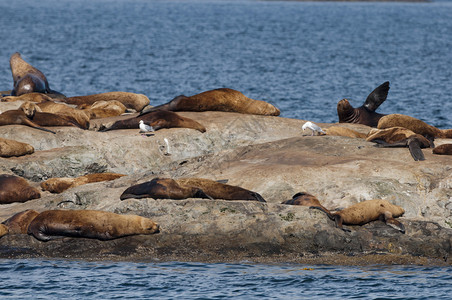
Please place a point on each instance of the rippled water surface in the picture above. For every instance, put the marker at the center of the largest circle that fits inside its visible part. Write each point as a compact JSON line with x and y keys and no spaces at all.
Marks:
{"x":60,"y":279}
{"x":301,"y":56}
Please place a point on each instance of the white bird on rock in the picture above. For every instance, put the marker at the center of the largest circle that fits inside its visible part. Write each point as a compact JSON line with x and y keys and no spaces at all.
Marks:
{"x":145,"y":128}
{"x":315,"y":128}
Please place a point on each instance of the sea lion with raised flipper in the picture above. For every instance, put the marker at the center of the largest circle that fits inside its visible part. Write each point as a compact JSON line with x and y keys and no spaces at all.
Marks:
{"x":18,"y":117}
{"x":27,"y":79}
{"x":18,"y":223}
{"x":166,"y":188}
{"x":365,"y":212}
{"x":342,"y":131}
{"x":444,"y":149}
{"x":156,"y":119}
{"x":16,"y":189}
{"x":94,"y":224}
{"x":59,"y":185}
{"x":130,"y":100}
{"x":401,"y":137}
{"x":364,"y":114}
{"x":3,"y":230}
{"x":413,"y":124}
{"x":10,"y":148}
{"x":223,"y":99}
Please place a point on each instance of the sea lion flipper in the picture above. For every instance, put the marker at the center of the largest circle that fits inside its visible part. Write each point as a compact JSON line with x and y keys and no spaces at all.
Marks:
{"x":395,"y":224}
{"x":415,"y":150}
{"x":377,"y":97}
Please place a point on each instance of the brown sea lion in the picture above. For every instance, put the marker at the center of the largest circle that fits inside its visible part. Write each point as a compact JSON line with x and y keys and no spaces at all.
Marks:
{"x":103,"y":109}
{"x":27,"y":79}
{"x":81,"y":117}
{"x":342,"y":131}
{"x":34,"y":112}
{"x":157,"y":119}
{"x":365,"y":212}
{"x":18,"y":117}
{"x":364,"y":114}
{"x":445,"y":149}
{"x":95,"y":224}
{"x":59,"y":185}
{"x":10,"y":148}
{"x":166,"y":188}
{"x":3,"y":230}
{"x":304,"y":199}
{"x":224,"y":99}
{"x":32,"y":97}
{"x":401,"y":137}
{"x":130,"y":100}
{"x":18,"y":223}
{"x":413,"y":124}
{"x":16,"y":189}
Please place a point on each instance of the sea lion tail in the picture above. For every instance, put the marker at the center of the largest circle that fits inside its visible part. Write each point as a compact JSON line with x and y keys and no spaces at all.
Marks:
{"x":258,"y":197}
{"x":324,"y":210}
{"x":395,"y":224}
{"x":45,"y":129}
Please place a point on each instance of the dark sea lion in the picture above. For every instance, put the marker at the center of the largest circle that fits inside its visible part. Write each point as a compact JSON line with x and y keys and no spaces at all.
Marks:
{"x":18,"y":117}
{"x":305,"y":199}
{"x":59,"y":185}
{"x":101,"y":225}
{"x":413,"y":124}
{"x":445,"y":149}
{"x":18,"y":223}
{"x":401,"y":137}
{"x":10,"y":148}
{"x":365,"y":212}
{"x":130,"y":100}
{"x":27,"y":79}
{"x":157,"y":119}
{"x":364,"y":114}
{"x":3,"y":230}
{"x":223,"y":99}
{"x":166,"y":188}
{"x":16,"y":189}
{"x":342,"y":131}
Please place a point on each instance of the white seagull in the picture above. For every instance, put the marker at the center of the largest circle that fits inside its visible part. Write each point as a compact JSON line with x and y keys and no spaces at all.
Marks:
{"x":145,"y":128}
{"x":315,"y":128}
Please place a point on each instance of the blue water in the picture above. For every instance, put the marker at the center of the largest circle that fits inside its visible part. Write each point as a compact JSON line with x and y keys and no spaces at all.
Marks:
{"x":301,"y":56}
{"x":43,"y":279}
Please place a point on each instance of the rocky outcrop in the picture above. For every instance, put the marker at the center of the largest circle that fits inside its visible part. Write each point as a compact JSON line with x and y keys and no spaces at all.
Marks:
{"x":268,"y":155}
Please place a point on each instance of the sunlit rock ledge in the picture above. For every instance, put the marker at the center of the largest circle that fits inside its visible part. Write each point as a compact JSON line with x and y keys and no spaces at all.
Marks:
{"x":269,"y":155}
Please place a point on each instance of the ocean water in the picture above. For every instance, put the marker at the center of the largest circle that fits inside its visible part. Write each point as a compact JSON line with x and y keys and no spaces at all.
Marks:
{"x":61,"y":279}
{"x":301,"y":56}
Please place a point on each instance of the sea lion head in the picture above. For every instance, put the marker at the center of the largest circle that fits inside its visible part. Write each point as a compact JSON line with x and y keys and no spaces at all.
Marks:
{"x":149,"y":227}
{"x":344,"y":110}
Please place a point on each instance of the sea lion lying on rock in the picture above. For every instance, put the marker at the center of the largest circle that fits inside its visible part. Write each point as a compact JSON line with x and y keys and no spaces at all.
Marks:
{"x":166,"y":188}
{"x":365,"y":212}
{"x":445,"y":149}
{"x":81,"y":117}
{"x":223,"y":99}
{"x":18,"y":223}
{"x":413,"y":124}
{"x":130,"y":100}
{"x":342,"y":131}
{"x":10,"y":148}
{"x":103,"y":109}
{"x":401,"y":137}
{"x":18,"y":117}
{"x":304,"y":199}
{"x":101,"y":225}
{"x":34,"y":113}
{"x":157,"y":119}
{"x":364,"y":114}
{"x":59,"y":185}
{"x":16,"y":189}
{"x":31,"y":97}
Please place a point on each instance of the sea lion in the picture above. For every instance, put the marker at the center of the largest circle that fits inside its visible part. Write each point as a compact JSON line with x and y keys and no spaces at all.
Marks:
{"x":413,"y":124}
{"x":401,"y":137}
{"x":365,"y":212}
{"x":27,"y":79}
{"x":103,"y":109}
{"x":223,"y":99}
{"x":166,"y":188}
{"x":34,"y":112}
{"x":156,"y":119}
{"x":32,"y":97}
{"x":18,"y":117}
{"x":364,"y":114}
{"x":95,"y":224}
{"x":304,"y":199}
{"x":342,"y":131}
{"x":130,"y":100}
{"x":81,"y":117}
{"x":59,"y":185}
{"x":10,"y":148}
{"x":16,"y":189}
{"x":3,"y":230}
{"x":445,"y":149}
{"x":18,"y":223}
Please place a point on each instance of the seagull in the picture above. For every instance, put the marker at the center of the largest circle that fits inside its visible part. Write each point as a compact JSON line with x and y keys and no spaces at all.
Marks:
{"x":315,"y":128}
{"x":145,"y":128}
